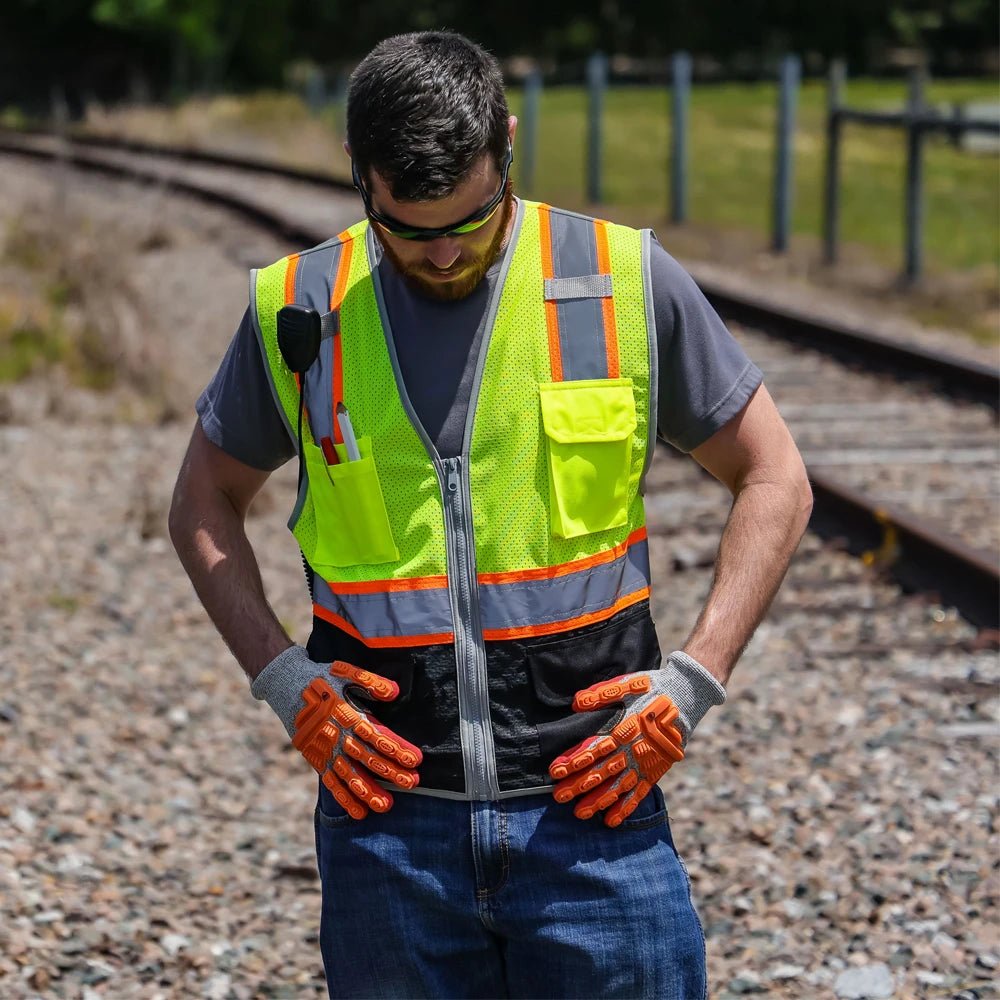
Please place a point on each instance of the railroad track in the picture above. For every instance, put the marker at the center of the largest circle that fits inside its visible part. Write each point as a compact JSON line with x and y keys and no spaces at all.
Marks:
{"x":834,"y":811}
{"x":900,"y":442}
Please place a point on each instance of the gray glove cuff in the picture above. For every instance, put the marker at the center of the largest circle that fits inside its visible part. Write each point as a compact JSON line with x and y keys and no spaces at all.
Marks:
{"x":691,"y":688}
{"x":282,"y":681}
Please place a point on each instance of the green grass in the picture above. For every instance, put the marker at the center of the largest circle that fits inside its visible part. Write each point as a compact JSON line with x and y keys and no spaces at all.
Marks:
{"x":731,"y":162}
{"x":26,"y":349}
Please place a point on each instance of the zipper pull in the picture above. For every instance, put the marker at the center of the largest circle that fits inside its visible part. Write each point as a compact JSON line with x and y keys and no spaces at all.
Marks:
{"x":453,"y":477}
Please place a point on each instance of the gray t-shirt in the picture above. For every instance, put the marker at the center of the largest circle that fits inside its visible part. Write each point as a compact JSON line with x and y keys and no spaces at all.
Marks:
{"x":705,"y":378}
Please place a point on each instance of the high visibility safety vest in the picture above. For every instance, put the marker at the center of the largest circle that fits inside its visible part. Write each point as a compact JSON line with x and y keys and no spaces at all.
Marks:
{"x":494,"y":585}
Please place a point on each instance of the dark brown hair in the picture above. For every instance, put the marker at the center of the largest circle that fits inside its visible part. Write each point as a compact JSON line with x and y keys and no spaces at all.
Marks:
{"x":422,"y":109}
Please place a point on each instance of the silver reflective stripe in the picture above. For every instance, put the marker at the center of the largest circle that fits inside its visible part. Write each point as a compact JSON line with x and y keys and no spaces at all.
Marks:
{"x":329,"y":324}
{"x":562,"y":598}
{"x":314,"y":280}
{"x":584,"y":286}
{"x":581,"y":320}
{"x":390,"y":613}
{"x":414,"y":613}
{"x":654,"y":357}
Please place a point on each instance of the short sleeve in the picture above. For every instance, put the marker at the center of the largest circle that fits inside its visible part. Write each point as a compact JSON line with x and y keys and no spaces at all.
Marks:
{"x":237,"y":409}
{"x":705,"y":377}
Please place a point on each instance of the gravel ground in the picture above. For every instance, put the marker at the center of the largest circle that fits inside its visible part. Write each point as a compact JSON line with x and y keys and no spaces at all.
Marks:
{"x":839,"y":816}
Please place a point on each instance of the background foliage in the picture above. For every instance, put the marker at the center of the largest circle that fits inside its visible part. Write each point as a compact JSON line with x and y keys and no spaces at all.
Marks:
{"x":161,"y":48}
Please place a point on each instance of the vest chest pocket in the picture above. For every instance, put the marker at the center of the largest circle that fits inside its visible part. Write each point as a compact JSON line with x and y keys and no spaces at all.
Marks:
{"x":588,"y":428}
{"x":352,"y":526}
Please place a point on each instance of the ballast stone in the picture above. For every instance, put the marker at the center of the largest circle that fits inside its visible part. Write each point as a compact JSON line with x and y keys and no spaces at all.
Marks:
{"x":869,"y":982}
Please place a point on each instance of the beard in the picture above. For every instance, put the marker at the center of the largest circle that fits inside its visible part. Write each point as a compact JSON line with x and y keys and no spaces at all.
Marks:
{"x":470,"y":273}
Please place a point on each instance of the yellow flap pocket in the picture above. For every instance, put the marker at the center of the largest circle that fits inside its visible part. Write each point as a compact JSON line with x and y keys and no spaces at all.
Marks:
{"x":589,"y":426}
{"x":352,"y":525}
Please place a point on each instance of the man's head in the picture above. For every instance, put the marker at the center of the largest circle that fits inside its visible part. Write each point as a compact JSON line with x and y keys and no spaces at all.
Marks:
{"x":430,"y":135}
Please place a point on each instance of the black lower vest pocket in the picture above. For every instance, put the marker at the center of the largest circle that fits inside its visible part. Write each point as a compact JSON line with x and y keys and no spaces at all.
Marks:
{"x":426,"y":710}
{"x":560,"y":667}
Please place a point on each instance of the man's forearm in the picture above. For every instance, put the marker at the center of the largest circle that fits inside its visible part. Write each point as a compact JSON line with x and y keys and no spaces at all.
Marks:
{"x":213,"y":547}
{"x":763,"y":530}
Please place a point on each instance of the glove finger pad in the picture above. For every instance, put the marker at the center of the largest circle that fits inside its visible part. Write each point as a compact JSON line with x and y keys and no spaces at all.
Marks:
{"x":375,"y":684}
{"x":350,"y":804}
{"x":608,"y":692}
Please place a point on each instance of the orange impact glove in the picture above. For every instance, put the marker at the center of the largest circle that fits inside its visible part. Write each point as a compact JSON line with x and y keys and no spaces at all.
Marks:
{"x":310,"y":699}
{"x":617,"y":769}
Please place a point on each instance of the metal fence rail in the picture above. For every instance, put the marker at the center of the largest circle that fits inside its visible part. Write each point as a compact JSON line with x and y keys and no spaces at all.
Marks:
{"x":918,"y":121}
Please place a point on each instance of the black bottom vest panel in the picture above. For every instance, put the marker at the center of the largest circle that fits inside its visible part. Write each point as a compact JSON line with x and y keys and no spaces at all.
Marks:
{"x":531,"y":687}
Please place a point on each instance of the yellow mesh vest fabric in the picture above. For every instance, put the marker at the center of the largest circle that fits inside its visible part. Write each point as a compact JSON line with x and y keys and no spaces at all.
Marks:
{"x":510,"y":488}
{"x":409,"y":483}
{"x":509,"y":474}
{"x":270,"y":297}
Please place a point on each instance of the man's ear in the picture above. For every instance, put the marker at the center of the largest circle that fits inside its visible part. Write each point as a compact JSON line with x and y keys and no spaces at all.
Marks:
{"x":511,"y":128}
{"x":347,"y":146}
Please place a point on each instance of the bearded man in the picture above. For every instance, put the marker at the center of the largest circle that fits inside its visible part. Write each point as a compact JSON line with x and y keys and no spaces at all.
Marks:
{"x":474,"y":412}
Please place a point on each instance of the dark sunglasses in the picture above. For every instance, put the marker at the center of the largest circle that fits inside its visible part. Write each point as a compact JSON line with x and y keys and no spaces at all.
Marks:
{"x":467,"y":225}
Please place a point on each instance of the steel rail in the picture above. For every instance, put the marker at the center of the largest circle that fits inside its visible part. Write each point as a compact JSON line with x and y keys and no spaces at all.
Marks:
{"x":959,"y":377}
{"x":954,"y":375}
{"x":917,"y":555}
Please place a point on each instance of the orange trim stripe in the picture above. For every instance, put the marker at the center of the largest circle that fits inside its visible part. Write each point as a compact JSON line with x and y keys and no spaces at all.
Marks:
{"x":607,"y":303}
{"x":388,"y":586}
{"x":336,"y":298}
{"x":550,"y":628}
{"x":386,"y":641}
{"x":555,"y":353}
{"x":551,"y":308}
{"x":563,"y":569}
{"x":486,"y":579}
{"x":490,"y":635}
{"x":343,"y":271}
{"x":545,"y":229}
{"x":293,"y":266}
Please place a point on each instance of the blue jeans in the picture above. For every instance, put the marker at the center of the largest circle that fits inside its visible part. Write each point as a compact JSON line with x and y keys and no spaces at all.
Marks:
{"x":517,"y":898}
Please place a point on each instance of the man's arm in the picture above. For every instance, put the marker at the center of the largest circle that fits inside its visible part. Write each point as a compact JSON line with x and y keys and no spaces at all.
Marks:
{"x":754,"y":455}
{"x":207,"y":517}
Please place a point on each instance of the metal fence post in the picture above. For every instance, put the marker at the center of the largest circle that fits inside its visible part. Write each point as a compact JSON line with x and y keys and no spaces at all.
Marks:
{"x":315,"y":90}
{"x":785,"y":152}
{"x":831,"y":193}
{"x":597,"y":79}
{"x":338,"y":98}
{"x":529,"y":130}
{"x":680,"y":98}
{"x":914,"y":210}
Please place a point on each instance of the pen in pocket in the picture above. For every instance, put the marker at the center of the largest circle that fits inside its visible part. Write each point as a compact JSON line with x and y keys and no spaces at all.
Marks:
{"x":347,"y":431}
{"x":329,"y":452}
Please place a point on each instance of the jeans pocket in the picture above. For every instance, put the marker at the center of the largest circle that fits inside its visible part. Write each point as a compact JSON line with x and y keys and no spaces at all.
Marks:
{"x":651,"y":811}
{"x":329,"y":812}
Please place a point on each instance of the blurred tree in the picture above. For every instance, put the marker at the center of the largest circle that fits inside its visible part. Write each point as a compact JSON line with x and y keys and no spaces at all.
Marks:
{"x":114,"y":48}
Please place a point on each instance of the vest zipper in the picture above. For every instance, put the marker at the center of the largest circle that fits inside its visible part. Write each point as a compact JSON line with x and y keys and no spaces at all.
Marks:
{"x":470,"y":649}
{"x":463,"y":588}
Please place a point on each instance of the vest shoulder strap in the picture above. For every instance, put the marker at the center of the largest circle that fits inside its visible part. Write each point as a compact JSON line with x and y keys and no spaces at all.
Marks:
{"x":316,"y":277}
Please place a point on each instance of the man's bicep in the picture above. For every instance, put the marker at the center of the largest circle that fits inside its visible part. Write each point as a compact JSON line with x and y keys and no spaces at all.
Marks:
{"x":704,"y":378}
{"x":754,"y":445}
{"x":209,"y":471}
